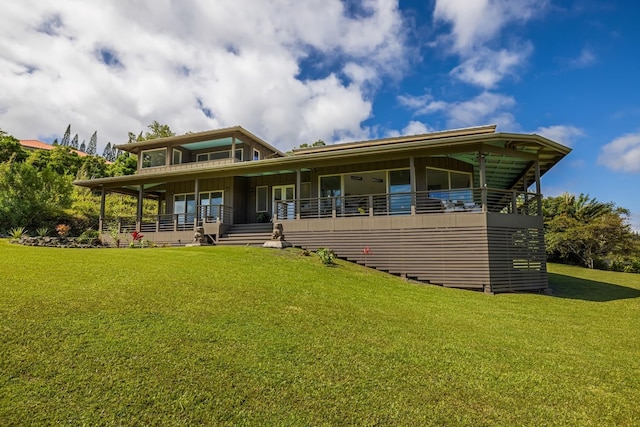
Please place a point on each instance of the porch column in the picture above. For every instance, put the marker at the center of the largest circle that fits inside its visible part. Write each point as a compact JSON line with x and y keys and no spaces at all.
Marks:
{"x":538,"y":188}
{"x":139,"y":210}
{"x":233,"y":148}
{"x":412,"y":181}
{"x":196,"y":190}
{"x":483,"y":182}
{"x":298,"y":192}
{"x":103,"y":197}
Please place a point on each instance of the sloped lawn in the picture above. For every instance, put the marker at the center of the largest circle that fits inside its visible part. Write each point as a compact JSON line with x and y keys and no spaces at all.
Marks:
{"x":249,"y":336}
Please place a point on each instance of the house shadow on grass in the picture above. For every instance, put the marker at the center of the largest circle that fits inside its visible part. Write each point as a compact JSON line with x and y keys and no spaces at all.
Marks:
{"x":588,"y":290}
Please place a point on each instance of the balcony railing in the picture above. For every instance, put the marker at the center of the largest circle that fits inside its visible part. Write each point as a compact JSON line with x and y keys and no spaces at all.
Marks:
{"x":407,"y":203}
{"x":204,"y":214}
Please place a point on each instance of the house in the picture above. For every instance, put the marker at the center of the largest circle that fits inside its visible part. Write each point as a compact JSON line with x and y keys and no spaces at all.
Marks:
{"x":34,"y":144}
{"x":458,"y":208}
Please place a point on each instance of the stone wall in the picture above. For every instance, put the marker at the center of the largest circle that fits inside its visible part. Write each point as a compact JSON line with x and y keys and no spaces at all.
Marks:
{"x":59,"y":242}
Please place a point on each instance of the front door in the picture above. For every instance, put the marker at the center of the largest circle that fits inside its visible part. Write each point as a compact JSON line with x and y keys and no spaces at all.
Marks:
{"x":283,"y":205}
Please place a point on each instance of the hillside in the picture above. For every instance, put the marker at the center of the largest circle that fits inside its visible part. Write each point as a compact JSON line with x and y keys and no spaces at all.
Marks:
{"x":213,"y":335}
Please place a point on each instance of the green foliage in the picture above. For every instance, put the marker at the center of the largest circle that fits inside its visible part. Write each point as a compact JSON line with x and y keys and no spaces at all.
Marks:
{"x":60,"y":160}
{"x":89,"y":236}
{"x":17,"y":232}
{"x":42,"y":231}
{"x":93,"y":144}
{"x":66,"y":139}
{"x":124,"y":164}
{"x":581,"y":230}
{"x":327,"y":256}
{"x":31,"y":197}
{"x":10,"y":149}
{"x":93,"y":167}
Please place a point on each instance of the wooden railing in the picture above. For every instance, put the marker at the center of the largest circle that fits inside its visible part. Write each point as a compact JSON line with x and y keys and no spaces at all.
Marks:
{"x":171,"y":222}
{"x":407,"y":203}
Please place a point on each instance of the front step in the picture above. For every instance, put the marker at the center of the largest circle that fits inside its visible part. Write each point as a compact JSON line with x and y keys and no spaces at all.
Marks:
{"x":246,"y":235}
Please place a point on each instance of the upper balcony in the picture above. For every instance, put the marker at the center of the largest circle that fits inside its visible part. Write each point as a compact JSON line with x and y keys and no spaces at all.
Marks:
{"x":199,"y":150}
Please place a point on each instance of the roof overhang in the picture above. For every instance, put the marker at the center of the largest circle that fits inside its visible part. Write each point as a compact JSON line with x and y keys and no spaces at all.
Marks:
{"x":198,"y":140}
{"x":510,"y":159}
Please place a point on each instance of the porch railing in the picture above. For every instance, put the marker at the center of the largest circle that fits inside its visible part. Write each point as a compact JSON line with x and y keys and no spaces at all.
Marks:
{"x":204,"y":214}
{"x":407,"y":203}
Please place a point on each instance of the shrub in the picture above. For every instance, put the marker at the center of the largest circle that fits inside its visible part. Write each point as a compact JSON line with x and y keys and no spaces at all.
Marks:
{"x":326,"y":256}
{"x":42,"y":231}
{"x":89,"y":236}
{"x":63,"y":229}
{"x":17,"y":232}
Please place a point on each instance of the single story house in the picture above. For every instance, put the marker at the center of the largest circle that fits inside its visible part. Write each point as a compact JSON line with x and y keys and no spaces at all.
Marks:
{"x":458,"y":208}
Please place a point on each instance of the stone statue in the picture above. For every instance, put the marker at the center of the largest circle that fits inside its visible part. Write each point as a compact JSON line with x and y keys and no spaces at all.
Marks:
{"x":277,"y":232}
{"x":198,"y":236}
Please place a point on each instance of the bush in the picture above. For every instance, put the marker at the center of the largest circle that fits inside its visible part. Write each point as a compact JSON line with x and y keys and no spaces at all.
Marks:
{"x":89,"y":236}
{"x":326,"y":256}
{"x":17,"y":232}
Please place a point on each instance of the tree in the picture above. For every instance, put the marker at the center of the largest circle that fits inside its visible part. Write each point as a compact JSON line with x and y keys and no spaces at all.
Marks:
{"x":83,"y":147}
{"x":67,"y":136}
{"x":30,"y":197}
{"x":10,"y":148}
{"x":124,"y":164}
{"x":74,"y":142}
{"x":107,"y":151}
{"x":61,"y":160}
{"x":93,"y":144}
{"x":582,"y":230}
{"x":92,"y":167}
{"x":157,"y":131}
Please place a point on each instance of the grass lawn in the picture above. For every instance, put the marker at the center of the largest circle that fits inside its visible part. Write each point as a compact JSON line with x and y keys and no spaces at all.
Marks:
{"x":249,"y":336}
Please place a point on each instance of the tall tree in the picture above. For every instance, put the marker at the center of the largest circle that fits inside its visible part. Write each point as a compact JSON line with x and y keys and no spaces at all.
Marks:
{"x":74,"y":142}
{"x":93,"y":144}
{"x":66,"y":139}
{"x":55,"y":142}
{"x":157,"y":130}
{"x":83,"y":147}
{"x":107,"y":151}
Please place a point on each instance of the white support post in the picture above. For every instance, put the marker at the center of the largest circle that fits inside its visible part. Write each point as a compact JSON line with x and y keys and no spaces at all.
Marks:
{"x":412,"y":181}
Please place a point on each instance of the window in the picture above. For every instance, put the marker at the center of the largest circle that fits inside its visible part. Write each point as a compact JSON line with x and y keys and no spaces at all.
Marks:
{"x":400,"y":191}
{"x":154,"y":158}
{"x":184,"y":205}
{"x":256,"y":154}
{"x":177,"y":156}
{"x":210,"y":202}
{"x":447,"y":184}
{"x":262,"y":197}
{"x":218,"y":155}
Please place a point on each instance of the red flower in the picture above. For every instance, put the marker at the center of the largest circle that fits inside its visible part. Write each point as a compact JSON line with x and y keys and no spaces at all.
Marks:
{"x":136,"y":236}
{"x":366,"y":251}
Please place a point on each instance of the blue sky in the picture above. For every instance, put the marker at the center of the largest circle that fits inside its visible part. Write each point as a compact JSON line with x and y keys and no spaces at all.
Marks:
{"x":294,"y":72}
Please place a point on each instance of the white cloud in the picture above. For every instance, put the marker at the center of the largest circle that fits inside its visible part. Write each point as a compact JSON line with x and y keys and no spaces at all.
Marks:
{"x":117,"y":66}
{"x":486,"y":68}
{"x":622,"y":154}
{"x":476,"y":27}
{"x":564,"y":134}
{"x":585,"y":59}
{"x":485,"y":108}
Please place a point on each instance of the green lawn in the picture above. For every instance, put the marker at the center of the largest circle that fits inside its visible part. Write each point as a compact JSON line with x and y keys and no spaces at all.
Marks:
{"x":250,"y":336}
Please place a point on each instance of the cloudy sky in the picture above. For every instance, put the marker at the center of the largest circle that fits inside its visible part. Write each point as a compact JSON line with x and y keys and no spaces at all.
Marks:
{"x":295,"y":71}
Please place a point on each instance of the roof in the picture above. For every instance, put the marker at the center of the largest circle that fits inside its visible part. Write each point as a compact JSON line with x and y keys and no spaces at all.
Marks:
{"x":195,"y":137}
{"x":34,"y":144}
{"x":510,"y":157}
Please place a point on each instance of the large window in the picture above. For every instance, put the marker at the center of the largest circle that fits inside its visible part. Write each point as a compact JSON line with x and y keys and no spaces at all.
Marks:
{"x":449,"y":185}
{"x":400,"y":191}
{"x":210,"y":200}
{"x":184,"y":205}
{"x":153,"y":158}
{"x":219,"y":155}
